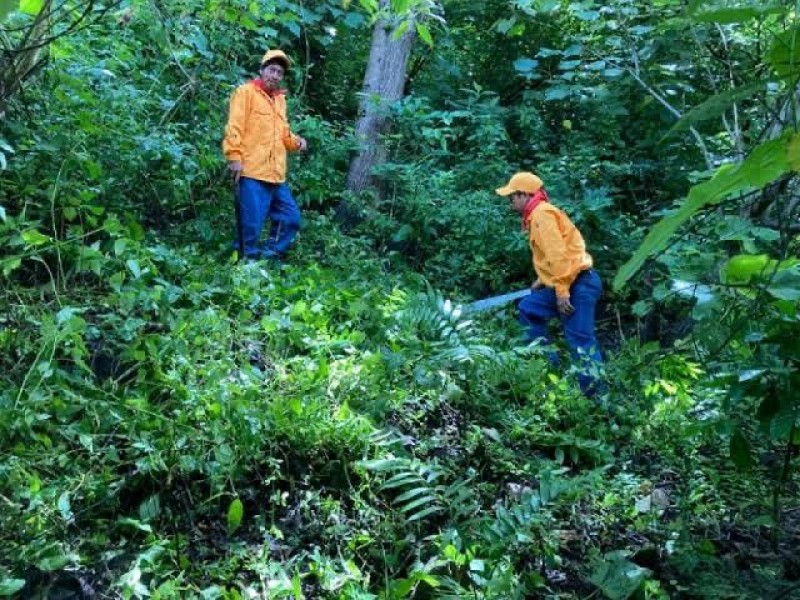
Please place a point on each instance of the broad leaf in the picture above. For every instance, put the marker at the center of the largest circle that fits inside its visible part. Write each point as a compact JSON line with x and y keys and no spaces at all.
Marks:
{"x":617,"y":577}
{"x":425,"y":34}
{"x":235,"y":514}
{"x":525,"y":65}
{"x":786,"y":284}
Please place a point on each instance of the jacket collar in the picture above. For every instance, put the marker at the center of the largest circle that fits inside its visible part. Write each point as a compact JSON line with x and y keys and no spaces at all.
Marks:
{"x":533,"y":202}
{"x":259,"y":84}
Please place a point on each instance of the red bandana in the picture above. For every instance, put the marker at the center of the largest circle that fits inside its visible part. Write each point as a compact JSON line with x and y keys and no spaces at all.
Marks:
{"x":534,"y":201}
{"x":271,"y":93}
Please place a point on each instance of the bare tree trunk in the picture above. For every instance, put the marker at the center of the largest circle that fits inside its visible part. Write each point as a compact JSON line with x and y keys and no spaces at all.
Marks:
{"x":383,"y":85}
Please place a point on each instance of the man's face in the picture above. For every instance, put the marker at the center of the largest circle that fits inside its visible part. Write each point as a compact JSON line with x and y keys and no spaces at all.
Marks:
{"x":272,"y":75}
{"x":517,"y":201}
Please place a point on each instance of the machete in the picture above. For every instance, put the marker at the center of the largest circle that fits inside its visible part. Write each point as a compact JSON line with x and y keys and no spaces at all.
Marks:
{"x":494,"y":301}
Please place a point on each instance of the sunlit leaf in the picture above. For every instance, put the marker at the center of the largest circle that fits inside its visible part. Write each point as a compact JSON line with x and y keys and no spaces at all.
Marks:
{"x":32,"y":237}
{"x":425,"y":34}
{"x":31,"y":7}
{"x":235,"y":514}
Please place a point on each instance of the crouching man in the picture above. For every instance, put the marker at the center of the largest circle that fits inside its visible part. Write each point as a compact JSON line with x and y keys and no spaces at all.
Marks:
{"x":566,"y":285}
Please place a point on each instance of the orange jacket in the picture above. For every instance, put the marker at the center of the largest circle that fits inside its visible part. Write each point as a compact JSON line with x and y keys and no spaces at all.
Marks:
{"x":258,"y":134}
{"x":559,"y":252}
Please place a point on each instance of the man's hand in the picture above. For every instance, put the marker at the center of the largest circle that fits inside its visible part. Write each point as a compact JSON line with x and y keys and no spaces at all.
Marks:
{"x":235,"y":167}
{"x":302,"y":143}
{"x":565,"y":307}
{"x":537,"y":285}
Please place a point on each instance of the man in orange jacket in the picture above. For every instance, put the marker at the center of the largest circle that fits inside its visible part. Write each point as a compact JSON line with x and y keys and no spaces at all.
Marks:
{"x":566,"y":286}
{"x":257,"y":139}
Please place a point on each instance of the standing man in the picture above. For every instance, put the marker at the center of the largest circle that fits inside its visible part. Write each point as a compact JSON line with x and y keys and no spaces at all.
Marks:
{"x":566,"y":286}
{"x":257,"y":138}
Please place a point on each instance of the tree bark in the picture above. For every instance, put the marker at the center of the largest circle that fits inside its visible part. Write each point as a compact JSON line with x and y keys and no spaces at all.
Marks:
{"x":383,"y":85}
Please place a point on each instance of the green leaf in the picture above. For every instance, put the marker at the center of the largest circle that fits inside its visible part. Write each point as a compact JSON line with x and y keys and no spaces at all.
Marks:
{"x":784,"y":56}
{"x":421,"y":515}
{"x":715,"y":106}
{"x":10,"y":264}
{"x":150,"y":509}
{"x":400,"y":6}
{"x":425,"y":34}
{"x":400,"y":30}
{"x":766,"y":163}
{"x":382,"y":464}
{"x":740,"y":452}
{"x":32,"y":237}
{"x":235,"y":514}
{"x":53,"y":561}
{"x":9,"y":587}
{"x":557,"y":93}
{"x":743,"y":268}
{"x":134,"y":267}
{"x":617,"y":577}
{"x":6,"y":6}
{"x":419,"y":502}
{"x":64,"y":507}
{"x":411,"y":494}
{"x":737,"y":14}
{"x":31,"y":7}
{"x":786,"y":284}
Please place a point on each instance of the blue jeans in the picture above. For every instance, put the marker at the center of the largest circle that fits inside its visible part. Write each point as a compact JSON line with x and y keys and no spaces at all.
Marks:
{"x":538,"y":308}
{"x":259,"y":200}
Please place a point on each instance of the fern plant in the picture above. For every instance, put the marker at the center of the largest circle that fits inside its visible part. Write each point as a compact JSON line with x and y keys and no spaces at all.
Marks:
{"x":437,"y":327}
{"x":416,"y":488}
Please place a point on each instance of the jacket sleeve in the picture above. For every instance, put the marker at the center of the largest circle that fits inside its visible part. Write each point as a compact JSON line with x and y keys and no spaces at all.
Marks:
{"x":554,"y":249}
{"x":234,"y":130}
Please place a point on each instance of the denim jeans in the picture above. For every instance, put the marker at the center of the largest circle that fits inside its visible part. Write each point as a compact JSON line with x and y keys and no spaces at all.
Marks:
{"x":540,"y":306}
{"x":260,"y":200}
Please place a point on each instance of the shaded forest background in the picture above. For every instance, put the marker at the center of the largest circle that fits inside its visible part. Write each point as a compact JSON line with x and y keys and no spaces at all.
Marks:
{"x":174,"y":424}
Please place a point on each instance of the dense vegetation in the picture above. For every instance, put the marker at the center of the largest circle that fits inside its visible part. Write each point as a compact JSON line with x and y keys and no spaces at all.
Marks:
{"x":174,"y":424}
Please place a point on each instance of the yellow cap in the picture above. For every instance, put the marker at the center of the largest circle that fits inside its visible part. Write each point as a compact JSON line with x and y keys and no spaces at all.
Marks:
{"x":521,"y":182}
{"x":277,"y":55}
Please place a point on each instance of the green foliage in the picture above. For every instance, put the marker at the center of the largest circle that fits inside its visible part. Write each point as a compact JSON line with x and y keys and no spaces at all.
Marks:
{"x":174,"y":425}
{"x":766,"y":163}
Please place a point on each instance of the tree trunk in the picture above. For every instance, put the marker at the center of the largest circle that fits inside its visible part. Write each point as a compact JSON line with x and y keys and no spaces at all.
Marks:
{"x":383,"y":85}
